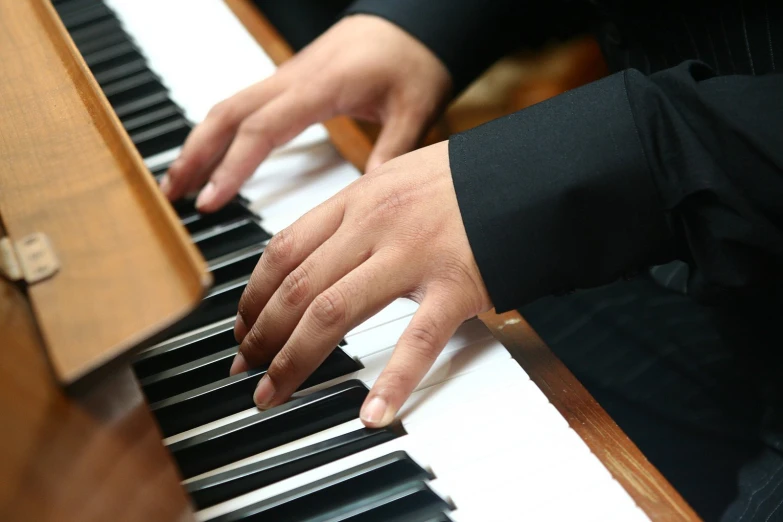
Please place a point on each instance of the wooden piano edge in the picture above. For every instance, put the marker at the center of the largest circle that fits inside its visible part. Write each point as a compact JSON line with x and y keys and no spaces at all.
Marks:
{"x":627,"y":464}
{"x":649,"y":489}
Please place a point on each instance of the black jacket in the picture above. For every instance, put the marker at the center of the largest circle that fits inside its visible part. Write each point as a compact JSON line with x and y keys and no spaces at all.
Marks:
{"x":677,"y":155}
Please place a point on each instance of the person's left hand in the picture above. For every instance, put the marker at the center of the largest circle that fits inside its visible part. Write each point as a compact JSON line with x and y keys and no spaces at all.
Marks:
{"x":395,"y":232}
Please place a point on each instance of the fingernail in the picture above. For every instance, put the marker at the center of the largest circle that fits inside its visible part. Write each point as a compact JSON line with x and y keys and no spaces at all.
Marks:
{"x":239,"y":365}
{"x":375,"y":411}
{"x":265,"y":392}
{"x":240,"y":330}
{"x":165,"y":185}
{"x":206,"y":195}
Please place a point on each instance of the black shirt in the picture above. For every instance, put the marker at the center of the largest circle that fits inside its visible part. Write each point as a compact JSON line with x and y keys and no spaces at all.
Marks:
{"x":677,"y":155}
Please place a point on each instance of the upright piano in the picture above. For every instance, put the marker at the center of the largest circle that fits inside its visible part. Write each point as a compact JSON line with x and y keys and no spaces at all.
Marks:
{"x":116,"y":315}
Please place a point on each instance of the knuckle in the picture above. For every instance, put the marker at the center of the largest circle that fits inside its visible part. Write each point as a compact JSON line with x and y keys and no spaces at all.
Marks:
{"x":284,"y":365}
{"x":251,"y":347}
{"x":330,"y":308}
{"x":279,"y":249}
{"x":243,"y":311}
{"x":296,"y":286}
{"x":258,"y":129}
{"x":221,"y":113}
{"x":389,"y":204}
{"x":394,"y":379}
{"x":422,"y":338}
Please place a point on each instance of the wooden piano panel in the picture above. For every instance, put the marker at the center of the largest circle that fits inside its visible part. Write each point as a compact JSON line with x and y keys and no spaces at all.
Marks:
{"x":67,"y":166}
{"x":97,"y":459}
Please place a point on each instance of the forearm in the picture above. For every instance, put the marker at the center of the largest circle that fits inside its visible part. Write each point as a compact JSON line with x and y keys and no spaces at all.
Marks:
{"x":467,"y":35}
{"x":623,"y":173}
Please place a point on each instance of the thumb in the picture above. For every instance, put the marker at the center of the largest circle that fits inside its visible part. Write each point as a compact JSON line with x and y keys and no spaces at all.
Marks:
{"x":398,"y":136}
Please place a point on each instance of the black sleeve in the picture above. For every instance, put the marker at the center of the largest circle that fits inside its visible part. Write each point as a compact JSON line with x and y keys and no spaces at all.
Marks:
{"x":629,"y":171}
{"x":469,"y":35}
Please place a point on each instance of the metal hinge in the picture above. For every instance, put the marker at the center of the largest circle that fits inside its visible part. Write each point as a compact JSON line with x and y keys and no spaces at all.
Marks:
{"x":31,"y":259}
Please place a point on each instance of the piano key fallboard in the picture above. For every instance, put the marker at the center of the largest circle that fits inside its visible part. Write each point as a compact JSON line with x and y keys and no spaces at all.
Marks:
{"x":476,"y":441}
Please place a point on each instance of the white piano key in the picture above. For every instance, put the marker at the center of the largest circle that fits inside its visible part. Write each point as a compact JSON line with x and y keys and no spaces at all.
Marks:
{"x":419,"y":445}
{"x":465,"y":393}
{"x":377,"y":339}
{"x":287,"y":186}
{"x":162,"y":158}
{"x":450,"y":364}
{"x":203,"y":71}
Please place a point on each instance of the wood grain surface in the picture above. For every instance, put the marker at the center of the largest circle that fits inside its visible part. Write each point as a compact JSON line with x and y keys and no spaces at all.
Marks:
{"x":94,"y":459}
{"x":69,"y":170}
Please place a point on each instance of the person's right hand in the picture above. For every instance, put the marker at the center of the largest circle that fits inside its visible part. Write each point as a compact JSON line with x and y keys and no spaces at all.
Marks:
{"x":364,"y":67}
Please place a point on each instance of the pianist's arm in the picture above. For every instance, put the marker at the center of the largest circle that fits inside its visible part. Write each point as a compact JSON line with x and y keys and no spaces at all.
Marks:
{"x":573,"y":192}
{"x":390,"y":62}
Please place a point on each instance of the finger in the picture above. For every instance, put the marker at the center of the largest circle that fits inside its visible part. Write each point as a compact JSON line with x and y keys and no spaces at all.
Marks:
{"x":208,"y":142}
{"x":428,"y":332}
{"x":353,"y":299}
{"x":398,"y":136}
{"x":286,"y":251}
{"x":330,"y":262}
{"x":269,"y":127}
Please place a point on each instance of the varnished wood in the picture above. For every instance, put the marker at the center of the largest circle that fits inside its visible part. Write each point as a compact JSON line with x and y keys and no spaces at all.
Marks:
{"x":69,"y":170}
{"x":347,"y":137}
{"x":651,"y":491}
{"x":97,"y":459}
{"x":622,"y":458}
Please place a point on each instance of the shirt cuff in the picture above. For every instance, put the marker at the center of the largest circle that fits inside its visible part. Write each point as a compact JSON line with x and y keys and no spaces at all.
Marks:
{"x":559,"y":196}
{"x":456,"y":32}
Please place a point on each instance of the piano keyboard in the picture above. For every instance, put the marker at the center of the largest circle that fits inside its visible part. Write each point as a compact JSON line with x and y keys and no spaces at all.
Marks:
{"x":476,"y":441}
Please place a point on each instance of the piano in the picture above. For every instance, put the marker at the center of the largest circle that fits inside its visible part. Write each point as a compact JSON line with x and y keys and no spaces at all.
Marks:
{"x":116,"y":332}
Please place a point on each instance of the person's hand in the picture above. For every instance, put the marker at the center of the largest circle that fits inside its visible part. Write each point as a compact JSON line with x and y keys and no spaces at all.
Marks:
{"x":364,"y":66}
{"x":395,"y":232}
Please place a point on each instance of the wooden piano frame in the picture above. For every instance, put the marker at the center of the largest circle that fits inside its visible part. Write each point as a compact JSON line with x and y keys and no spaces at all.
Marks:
{"x":78,"y":442}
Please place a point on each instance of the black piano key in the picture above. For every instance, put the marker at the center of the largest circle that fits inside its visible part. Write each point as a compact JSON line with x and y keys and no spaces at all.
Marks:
{"x":223,"y":486}
{"x":140,"y":104}
{"x":246,"y":234}
{"x":177,"y":353}
{"x":108,"y":57}
{"x":149,"y":117}
{"x":268,"y":429}
{"x":408,"y":502}
{"x":233,"y":394}
{"x":338,"y":493}
{"x":189,"y":376}
{"x":120,"y":72}
{"x":236,"y":267}
{"x":70,"y":5}
{"x":133,"y":88}
{"x":91,"y":32}
{"x":105,"y":41}
{"x":185,"y":207}
{"x":77,"y":18}
{"x":426,"y":514}
{"x":165,"y":136}
{"x":196,"y":223}
{"x":220,"y":303}
{"x":160,"y":170}
{"x":187,"y":349}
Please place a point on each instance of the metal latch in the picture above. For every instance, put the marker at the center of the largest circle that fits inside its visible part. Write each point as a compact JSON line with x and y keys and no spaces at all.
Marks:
{"x":31,"y":259}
